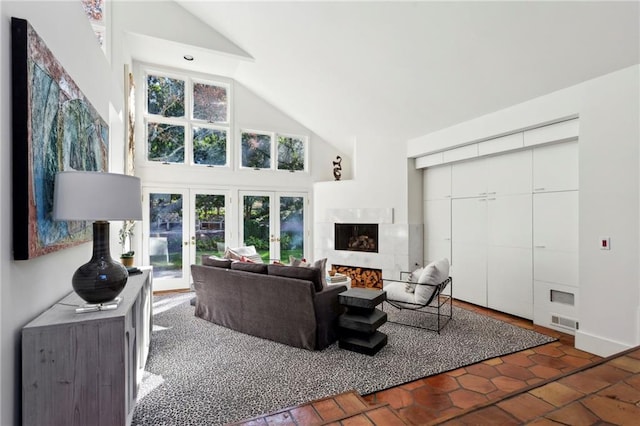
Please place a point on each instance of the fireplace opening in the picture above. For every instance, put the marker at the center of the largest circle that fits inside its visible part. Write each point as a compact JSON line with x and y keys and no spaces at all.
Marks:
{"x":356,"y":237}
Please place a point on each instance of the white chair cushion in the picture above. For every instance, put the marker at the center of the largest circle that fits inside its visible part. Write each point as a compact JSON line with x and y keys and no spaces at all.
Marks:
{"x":396,"y":292}
{"x":434,"y":273}
{"x":410,"y":286}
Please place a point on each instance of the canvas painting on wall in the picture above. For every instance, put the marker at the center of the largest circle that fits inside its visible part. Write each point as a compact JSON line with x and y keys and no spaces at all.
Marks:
{"x":55,"y":128}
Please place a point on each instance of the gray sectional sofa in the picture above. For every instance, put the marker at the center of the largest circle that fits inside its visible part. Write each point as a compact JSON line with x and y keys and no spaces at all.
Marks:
{"x":287,"y":304}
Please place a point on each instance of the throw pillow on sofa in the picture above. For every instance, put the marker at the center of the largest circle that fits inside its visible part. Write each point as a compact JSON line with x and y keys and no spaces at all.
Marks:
{"x":320,"y":263}
{"x":239,"y":252}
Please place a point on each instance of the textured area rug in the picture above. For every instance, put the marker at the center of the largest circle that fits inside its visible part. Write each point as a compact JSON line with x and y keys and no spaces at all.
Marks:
{"x":199,"y":373}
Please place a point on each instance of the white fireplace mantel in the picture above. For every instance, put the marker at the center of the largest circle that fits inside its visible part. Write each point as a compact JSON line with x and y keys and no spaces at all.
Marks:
{"x":360,"y":215}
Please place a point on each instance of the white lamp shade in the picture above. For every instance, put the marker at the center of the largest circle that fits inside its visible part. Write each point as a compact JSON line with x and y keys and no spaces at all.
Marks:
{"x":96,"y":196}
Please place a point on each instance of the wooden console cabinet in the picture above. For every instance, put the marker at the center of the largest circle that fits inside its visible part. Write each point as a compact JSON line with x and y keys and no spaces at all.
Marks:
{"x":84,"y":369}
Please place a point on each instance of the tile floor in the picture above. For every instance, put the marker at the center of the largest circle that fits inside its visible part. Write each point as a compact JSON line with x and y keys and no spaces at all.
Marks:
{"x":551,"y":384}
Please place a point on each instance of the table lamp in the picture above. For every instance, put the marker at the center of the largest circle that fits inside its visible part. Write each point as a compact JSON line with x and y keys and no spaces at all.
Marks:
{"x":99,"y":197}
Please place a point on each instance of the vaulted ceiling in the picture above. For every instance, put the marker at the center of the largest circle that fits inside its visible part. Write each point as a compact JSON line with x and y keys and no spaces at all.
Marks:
{"x":398,"y":70}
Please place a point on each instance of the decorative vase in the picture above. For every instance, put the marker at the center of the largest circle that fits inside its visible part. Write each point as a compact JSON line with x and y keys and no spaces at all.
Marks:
{"x":101,"y":279}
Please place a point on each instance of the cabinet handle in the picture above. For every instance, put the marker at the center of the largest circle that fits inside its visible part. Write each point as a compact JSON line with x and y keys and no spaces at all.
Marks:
{"x":482,"y":193}
{"x":538,"y":189}
{"x":491,"y":193}
{"x":540,"y":246}
{"x":492,"y":198}
{"x":448,"y":239}
{"x":482,"y":199}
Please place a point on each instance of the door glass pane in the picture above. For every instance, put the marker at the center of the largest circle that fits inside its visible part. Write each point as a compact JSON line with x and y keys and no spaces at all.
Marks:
{"x":165,"y":235}
{"x":255,"y":219}
{"x":209,"y":221}
{"x":291,"y":228}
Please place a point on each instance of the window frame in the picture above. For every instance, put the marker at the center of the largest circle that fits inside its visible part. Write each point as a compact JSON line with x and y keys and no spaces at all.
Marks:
{"x":271,"y":135}
{"x":305,"y":144}
{"x":274,"y":150}
{"x":187,"y":121}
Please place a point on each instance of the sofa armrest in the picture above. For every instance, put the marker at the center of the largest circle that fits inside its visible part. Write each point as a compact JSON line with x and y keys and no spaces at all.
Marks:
{"x":328,"y":309}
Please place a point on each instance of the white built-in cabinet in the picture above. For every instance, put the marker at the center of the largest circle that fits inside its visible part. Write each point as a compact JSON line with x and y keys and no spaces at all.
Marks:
{"x":437,"y":213}
{"x":491,"y":254}
{"x":555,"y":236}
{"x":507,"y":218}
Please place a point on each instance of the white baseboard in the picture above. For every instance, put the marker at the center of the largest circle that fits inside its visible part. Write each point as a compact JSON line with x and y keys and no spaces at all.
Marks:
{"x":598,"y":345}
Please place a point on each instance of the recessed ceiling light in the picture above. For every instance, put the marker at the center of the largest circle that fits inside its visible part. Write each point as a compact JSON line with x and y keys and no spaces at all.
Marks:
{"x":188,"y":58}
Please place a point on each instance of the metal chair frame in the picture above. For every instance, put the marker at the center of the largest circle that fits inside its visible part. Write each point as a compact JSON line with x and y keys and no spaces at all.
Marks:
{"x":436,"y":305}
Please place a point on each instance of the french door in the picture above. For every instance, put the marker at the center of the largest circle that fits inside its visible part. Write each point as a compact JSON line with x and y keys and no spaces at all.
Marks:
{"x":274,"y":222}
{"x":181,"y":226}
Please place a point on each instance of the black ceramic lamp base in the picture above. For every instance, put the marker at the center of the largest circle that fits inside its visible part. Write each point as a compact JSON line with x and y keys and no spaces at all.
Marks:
{"x":101,"y":279}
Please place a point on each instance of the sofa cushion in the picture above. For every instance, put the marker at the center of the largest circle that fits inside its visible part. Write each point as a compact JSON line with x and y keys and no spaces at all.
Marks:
{"x":258,"y":268}
{"x":300,"y":272}
{"x":216,"y":261}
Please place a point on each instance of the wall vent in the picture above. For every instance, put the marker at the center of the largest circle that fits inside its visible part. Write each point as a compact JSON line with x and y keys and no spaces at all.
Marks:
{"x":564,"y":322}
{"x":562,"y":297}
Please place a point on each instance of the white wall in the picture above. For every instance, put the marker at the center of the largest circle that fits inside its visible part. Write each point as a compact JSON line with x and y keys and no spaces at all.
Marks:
{"x":29,"y":287}
{"x":381,"y":179}
{"x":608,"y":108}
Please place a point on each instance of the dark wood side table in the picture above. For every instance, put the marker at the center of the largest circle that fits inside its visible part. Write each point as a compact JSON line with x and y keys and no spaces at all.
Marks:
{"x":359,"y":325}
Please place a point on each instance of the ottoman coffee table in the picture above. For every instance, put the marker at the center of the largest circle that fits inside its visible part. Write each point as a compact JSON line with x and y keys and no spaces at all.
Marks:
{"x":359,"y":325}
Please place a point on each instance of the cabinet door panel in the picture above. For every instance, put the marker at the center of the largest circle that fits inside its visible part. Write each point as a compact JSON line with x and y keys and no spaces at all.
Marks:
{"x":436,"y":251}
{"x":509,"y":173}
{"x":469,"y":179}
{"x":437,"y":182}
{"x":555,"y":221}
{"x":437,"y":230}
{"x":469,"y":272}
{"x":555,"y":266}
{"x":509,"y":281}
{"x":509,"y":221}
{"x":469,"y":221}
{"x":437,"y":220}
{"x":555,"y":167}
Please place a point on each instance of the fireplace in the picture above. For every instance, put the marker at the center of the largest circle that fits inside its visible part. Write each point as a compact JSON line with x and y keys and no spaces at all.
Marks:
{"x":356,"y":237}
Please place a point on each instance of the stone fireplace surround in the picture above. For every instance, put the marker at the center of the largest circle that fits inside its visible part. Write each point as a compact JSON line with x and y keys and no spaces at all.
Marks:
{"x":399,"y":245}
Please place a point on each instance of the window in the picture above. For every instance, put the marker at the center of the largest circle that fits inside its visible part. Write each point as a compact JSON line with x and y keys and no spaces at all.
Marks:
{"x":95,"y":12}
{"x":291,"y":153}
{"x":258,"y":149}
{"x":187,"y":121}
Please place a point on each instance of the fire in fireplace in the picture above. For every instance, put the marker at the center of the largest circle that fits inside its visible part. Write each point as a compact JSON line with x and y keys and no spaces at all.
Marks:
{"x":356,"y":237}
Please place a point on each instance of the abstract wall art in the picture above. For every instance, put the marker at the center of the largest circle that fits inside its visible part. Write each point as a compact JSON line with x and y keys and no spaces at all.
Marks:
{"x":55,"y":128}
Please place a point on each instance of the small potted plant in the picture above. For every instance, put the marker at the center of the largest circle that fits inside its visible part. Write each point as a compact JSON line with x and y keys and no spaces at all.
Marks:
{"x":127,"y":258}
